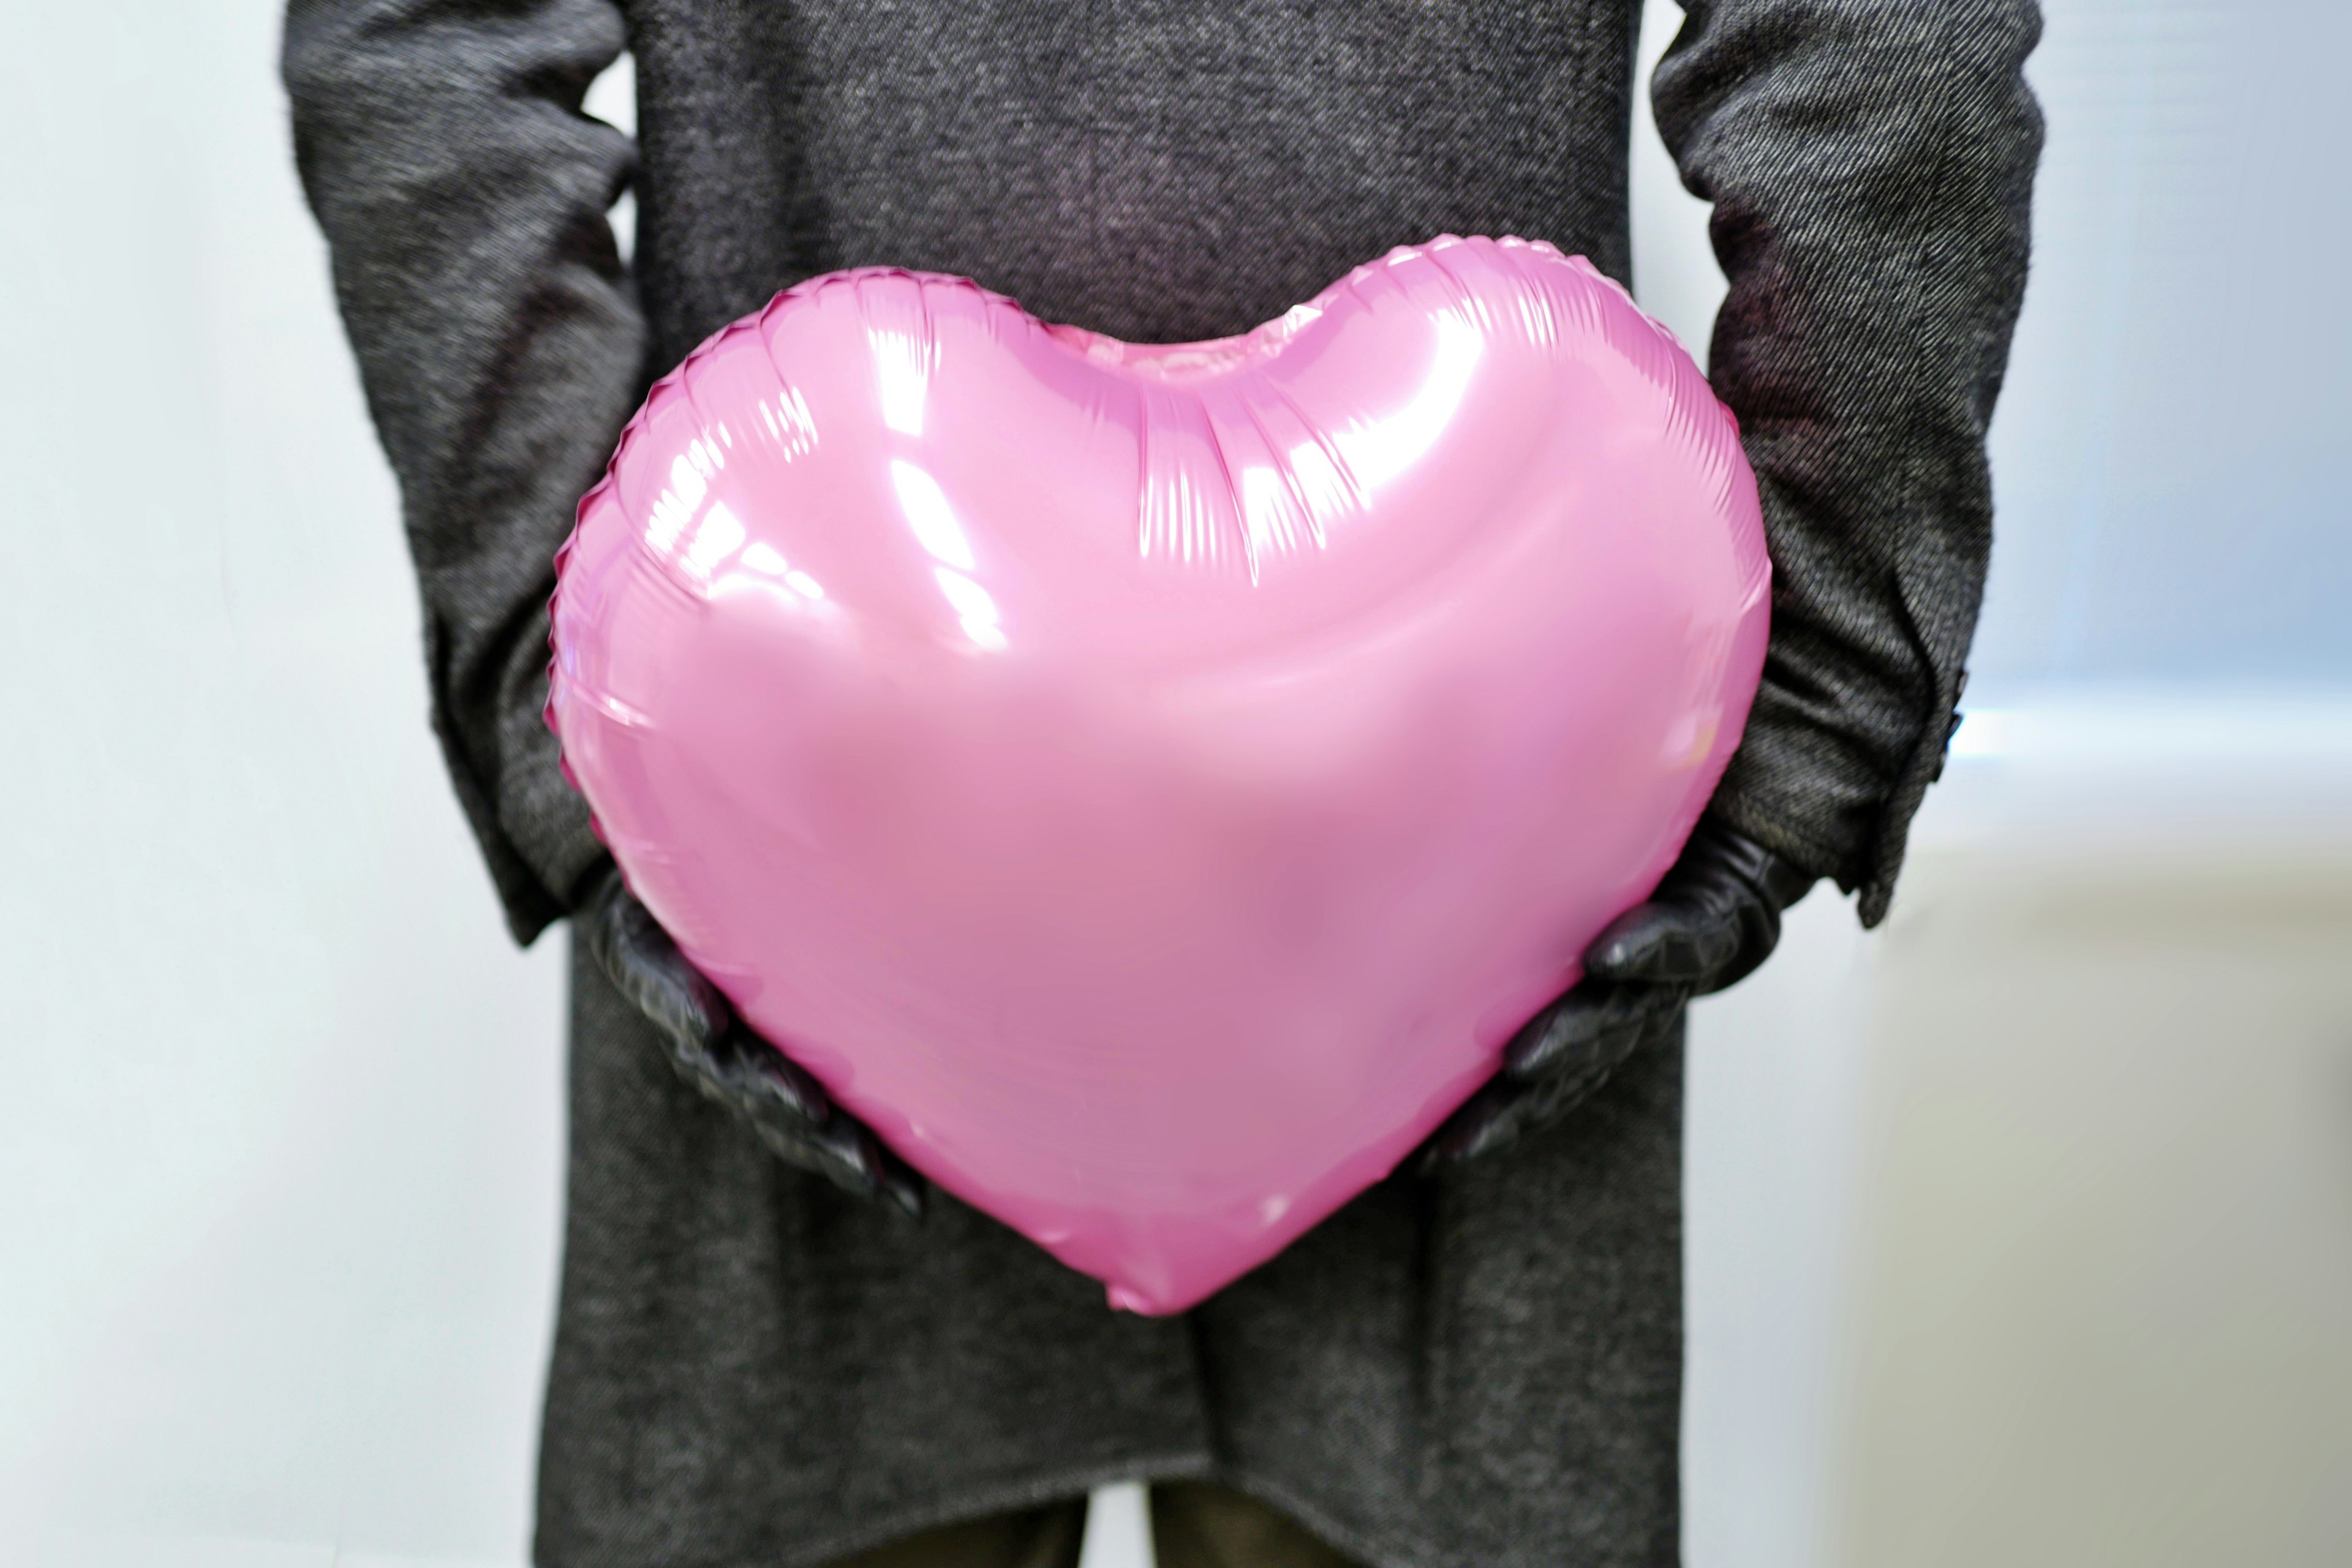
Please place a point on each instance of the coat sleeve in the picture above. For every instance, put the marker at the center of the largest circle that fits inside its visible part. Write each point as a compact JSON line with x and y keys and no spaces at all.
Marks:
{"x":1871,"y":165}
{"x":463,"y":195}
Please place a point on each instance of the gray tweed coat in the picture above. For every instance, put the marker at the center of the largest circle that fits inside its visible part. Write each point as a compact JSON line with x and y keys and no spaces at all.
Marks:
{"x":1477,"y":1372}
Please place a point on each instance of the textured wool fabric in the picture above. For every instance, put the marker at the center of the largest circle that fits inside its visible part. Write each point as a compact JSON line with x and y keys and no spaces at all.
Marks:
{"x":1482,"y":1369}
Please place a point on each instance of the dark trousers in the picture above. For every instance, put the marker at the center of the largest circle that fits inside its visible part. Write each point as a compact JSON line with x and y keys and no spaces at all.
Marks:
{"x":1194,"y":1524}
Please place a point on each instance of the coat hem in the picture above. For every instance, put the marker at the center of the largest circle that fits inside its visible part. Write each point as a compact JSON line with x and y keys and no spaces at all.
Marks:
{"x":933,"y":1512}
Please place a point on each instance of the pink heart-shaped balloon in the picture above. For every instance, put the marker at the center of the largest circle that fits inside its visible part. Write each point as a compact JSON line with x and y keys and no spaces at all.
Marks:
{"x":1149,"y":785}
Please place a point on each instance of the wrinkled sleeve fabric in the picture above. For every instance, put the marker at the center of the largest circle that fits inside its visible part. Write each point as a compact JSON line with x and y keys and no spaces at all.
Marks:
{"x":463,"y":195}
{"x":1871,"y":166}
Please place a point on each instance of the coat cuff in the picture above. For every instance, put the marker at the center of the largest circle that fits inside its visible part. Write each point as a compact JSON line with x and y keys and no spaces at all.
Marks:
{"x":1812,"y":796}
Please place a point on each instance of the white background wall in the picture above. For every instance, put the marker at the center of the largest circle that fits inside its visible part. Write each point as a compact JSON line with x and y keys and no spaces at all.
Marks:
{"x":278,"y":1162}
{"x":279,"y":1141}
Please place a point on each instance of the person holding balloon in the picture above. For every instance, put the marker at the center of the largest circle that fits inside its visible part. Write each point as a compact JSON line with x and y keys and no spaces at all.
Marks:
{"x":1389,"y":744}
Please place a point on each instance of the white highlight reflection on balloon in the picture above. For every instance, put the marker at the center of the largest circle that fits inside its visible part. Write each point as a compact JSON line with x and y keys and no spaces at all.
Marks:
{"x":902,"y":367}
{"x":765,"y":559}
{"x":1381,"y":450}
{"x":937,"y":531}
{"x":720,"y":533}
{"x":789,"y":423}
{"x":972,"y":604}
{"x":928,"y":514}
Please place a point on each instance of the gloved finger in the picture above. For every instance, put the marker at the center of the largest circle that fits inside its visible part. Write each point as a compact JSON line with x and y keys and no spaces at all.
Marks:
{"x":1582,"y":1023}
{"x":1673,"y":942}
{"x":1510,"y":1106}
{"x":906,"y":1190}
{"x":1489,"y":1119}
{"x":645,"y":966}
{"x":846,"y":1153}
{"x":786,"y":1091}
{"x":875,"y":1172}
{"x":798,"y":1121}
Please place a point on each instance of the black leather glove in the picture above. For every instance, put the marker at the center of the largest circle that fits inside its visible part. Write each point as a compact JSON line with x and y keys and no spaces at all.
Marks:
{"x":716,"y":1052}
{"x":1714,"y":918}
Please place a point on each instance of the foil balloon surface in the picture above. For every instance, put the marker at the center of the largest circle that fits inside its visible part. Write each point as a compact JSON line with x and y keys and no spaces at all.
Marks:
{"x":1149,"y":785}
